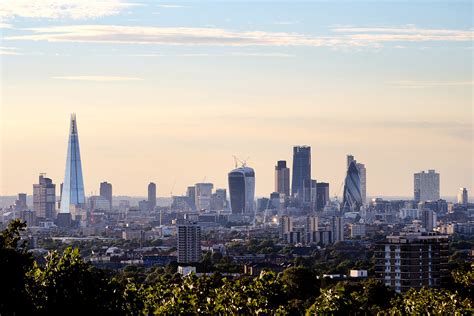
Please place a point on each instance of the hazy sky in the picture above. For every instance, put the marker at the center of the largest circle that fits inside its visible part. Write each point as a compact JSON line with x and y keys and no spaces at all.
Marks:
{"x":169,"y":91}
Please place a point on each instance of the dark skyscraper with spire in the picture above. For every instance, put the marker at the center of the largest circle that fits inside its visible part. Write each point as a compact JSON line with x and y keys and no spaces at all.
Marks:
{"x":73,"y":186}
{"x":301,"y":170}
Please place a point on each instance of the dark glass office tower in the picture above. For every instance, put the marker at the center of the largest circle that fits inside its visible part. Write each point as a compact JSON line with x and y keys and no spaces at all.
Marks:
{"x":242,"y":190}
{"x":322,"y":192}
{"x":73,"y":186}
{"x":106,"y":192}
{"x":301,"y":169}
{"x":352,"y":199}
{"x":282,"y":178}
{"x":151,"y":196}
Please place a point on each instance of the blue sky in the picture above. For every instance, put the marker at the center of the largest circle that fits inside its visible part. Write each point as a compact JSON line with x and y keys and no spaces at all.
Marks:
{"x":163,"y":87}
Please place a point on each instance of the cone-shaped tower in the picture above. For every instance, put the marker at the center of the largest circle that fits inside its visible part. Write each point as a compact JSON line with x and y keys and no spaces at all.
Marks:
{"x":73,"y":186}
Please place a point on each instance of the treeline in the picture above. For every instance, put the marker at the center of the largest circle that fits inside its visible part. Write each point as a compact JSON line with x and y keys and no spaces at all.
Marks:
{"x":65,"y":284}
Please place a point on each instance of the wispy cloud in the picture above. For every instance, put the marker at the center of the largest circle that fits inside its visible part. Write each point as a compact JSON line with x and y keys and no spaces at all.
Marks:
{"x":98,"y":78}
{"x":9,"y":51}
{"x":286,"y":22}
{"x":412,"y":84}
{"x":232,"y":54}
{"x":4,"y":25}
{"x":404,"y":34}
{"x":353,"y":37}
{"x":59,"y":9}
{"x":170,"y":6}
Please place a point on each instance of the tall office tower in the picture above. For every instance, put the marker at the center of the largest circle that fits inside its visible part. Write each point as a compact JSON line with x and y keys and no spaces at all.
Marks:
{"x":363,"y":181}
{"x":106,"y":192}
{"x":428,"y":219}
{"x":426,"y":186}
{"x":203,"y":196}
{"x":219,"y":199}
{"x":462,"y":196}
{"x":242,"y":190}
{"x":44,"y":198}
{"x":350,"y":159}
{"x":322,"y":195}
{"x":412,"y":260}
{"x":73,"y":186}
{"x":352,"y":198}
{"x":20,"y":204}
{"x":301,"y":169}
{"x":151,"y":196}
{"x":309,"y":194}
{"x":189,"y":243}
{"x":337,"y":228}
{"x":286,"y":228}
{"x":282,"y":178}
{"x":312,"y":226}
{"x":191,"y":194}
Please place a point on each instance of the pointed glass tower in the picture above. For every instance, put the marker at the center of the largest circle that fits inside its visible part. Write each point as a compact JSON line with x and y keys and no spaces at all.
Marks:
{"x":73,"y":186}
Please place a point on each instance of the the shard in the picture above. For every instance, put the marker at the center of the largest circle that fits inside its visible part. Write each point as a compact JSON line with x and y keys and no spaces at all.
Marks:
{"x":72,"y":194}
{"x":352,"y":199}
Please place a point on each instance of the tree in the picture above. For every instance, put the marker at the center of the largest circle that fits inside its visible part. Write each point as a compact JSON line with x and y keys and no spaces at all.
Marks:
{"x":15,"y":262}
{"x":67,"y":283}
{"x":430,"y":301}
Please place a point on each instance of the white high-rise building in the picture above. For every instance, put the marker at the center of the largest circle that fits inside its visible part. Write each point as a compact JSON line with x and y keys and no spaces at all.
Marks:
{"x":462,"y":196}
{"x":203,"y":196}
{"x":426,"y":186}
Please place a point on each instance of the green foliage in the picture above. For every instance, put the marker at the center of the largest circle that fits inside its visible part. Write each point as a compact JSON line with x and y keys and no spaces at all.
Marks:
{"x":15,"y":262}
{"x":67,"y":284}
{"x":431,"y":302}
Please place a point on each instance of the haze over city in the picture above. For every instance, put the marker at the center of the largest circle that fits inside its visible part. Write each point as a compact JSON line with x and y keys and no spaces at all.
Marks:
{"x":169,"y":92}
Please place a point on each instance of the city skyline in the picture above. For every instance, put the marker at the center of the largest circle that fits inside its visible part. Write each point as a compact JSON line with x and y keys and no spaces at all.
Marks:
{"x":185,"y":94}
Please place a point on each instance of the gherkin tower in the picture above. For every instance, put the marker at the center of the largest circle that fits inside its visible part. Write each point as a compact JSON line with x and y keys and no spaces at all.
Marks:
{"x":72,"y":193}
{"x":352,"y":199}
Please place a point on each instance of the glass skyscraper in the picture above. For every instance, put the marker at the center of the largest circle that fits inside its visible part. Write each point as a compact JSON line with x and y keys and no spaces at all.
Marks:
{"x":242,"y":190}
{"x":73,"y":186}
{"x":301,"y":169}
{"x":352,"y":199}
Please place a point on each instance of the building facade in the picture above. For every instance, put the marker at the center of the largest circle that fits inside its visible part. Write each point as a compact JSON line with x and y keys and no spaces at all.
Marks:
{"x":322,"y":195}
{"x":203,"y":196}
{"x":309,"y":194}
{"x":151,"y":196}
{"x":412,"y":260}
{"x":72,"y":193}
{"x":106,"y":192}
{"x":242,"y":190}
{"x":189,"y":243}
{"x":462,"y":196}
{"x":352,"y":198}
{"x":426,"y":186}
{"x":282,"y":178}
{"x":301,"y":169}
{"x":44,"y":198}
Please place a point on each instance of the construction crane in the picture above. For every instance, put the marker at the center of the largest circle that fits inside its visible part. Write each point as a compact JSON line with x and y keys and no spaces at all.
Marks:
{"x":237,"y":160}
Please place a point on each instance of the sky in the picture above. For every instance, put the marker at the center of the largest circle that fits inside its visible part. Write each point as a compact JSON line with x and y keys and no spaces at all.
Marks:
{"x":169,"y":91}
